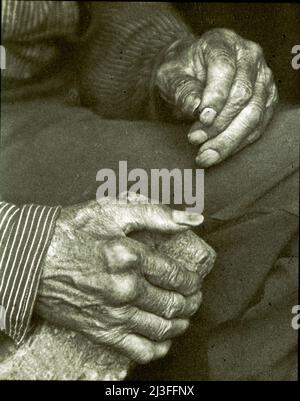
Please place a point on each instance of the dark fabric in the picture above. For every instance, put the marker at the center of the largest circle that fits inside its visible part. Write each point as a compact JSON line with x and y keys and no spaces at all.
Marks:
{"x":51,"y":153}
{"x":119,"y":55}
{"x":109,"y":51}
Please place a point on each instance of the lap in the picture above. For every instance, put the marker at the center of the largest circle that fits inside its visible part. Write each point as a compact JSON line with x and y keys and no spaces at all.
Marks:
{"x":51,"y":153}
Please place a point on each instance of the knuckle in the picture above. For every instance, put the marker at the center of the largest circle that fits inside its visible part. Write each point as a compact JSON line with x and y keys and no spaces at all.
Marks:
{"x":119,"y":315}
{"x":118,"y":253}
{"x":254,"y":115}
{"x":255,"y":49}
{"x":194,"y":283}
{"x":190,"y":281}
{"x":132,"y":317}
{"x":163,"y":74}
{"x":224,"y":119}
{"x":125,"y":289}
{"x":243,"y":92}
{"x":205,"y":261}
{"x":269,"y":75}
{"x":273,"y":97}
{"x":226,"y":32}
{"x":219,"y":35}
{"x":175,"y":305}
{"x":209,"y":263}
{"x":175,"y":276}
{"x":164,"y":329}
{"x":195,"y":303}
{"x":224,"y":59}
{"x":219,"y":94}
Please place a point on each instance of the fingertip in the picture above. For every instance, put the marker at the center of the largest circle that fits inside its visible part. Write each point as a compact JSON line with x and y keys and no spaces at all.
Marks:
{"x":197,"y":137}
{"x":185,"y":323}
{"x":196,"y":219}
{"x":207,"y":116}
{"x":187,"y":218}
{"x":207,"y":158}
{"x":162,"y":349}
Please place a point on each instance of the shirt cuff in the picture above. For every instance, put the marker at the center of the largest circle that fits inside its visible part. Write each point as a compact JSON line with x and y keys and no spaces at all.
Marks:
{"x":25,"y":234}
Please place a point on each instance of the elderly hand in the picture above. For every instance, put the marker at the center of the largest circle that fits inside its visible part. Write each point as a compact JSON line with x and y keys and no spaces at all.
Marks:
{"x":116,"y":290}
{"x":224,"y":80}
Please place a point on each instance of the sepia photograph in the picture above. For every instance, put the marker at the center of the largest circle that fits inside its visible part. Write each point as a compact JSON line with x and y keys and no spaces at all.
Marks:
{"x":149,"y":193}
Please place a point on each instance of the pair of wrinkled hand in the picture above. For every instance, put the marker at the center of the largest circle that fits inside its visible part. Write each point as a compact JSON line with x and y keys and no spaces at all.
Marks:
{"x":118,"y":291}
{"x":113,"y":289}
{"x":222,"y":81}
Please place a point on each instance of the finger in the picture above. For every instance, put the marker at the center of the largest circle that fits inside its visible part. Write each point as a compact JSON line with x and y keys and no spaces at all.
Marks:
{"x":122,"y":289}
{"x":242,"y":89}
{"x":164,"y":272}
{"x":118,"y":255}
{"x":187,"y":94}
{"x":259,"y":131}
{"x":129,"y":289}
{"x":226,"y":143}
{"x":248,"y":58}
{"x":142,"y":350}
{"x":167,"y":304}
{"x":273,"y":92}
{"x":221,"y":68}
{"x":273,"y":96}
{"x":158,"y":269}
{"x":199,"y":134}
{"x":155,"y":327}
{"x":139,"y":214}
{"x":182,"y":90}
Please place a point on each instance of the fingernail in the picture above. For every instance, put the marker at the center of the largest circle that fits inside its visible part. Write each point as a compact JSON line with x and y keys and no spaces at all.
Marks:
{"x":207,"y":115}
{"x":207,"y":158}
{"x":204,"y":258}
{"x":181,"y":217}
{"x":197,"y":137}
{"x":192,"y":102}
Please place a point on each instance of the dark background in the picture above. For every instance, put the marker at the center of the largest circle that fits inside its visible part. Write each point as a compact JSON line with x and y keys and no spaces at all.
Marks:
{"x":275,"y":26}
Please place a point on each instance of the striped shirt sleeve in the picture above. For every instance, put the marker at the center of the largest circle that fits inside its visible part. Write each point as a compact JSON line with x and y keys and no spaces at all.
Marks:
{"x":25,"y":234}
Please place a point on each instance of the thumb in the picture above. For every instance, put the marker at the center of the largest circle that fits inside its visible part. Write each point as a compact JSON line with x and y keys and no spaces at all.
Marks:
{"x":140,"y":214}
{"x":187,"y":93}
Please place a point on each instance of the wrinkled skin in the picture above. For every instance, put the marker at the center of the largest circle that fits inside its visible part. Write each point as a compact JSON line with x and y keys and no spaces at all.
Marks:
{"x":223,"y":81}
{"x":113,"y":289}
